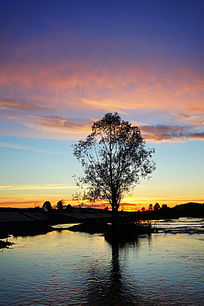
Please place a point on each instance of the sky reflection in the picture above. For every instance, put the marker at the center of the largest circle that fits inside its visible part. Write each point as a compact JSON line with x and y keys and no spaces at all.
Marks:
{"x":67,"y":267}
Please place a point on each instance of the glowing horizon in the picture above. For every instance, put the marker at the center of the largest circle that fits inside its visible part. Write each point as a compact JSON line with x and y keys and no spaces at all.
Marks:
{"x":54,"y":193}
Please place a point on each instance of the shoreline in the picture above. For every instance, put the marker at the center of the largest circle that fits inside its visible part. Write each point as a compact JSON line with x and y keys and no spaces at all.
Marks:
{"x":35,"y":221}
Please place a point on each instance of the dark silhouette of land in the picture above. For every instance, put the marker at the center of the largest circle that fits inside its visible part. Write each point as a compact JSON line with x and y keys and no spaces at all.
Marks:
{"x":191,"y":209}
{"x":34,"y":221}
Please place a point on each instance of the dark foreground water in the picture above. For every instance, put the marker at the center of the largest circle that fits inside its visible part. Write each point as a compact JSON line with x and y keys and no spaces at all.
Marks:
{"x":66,"y":268}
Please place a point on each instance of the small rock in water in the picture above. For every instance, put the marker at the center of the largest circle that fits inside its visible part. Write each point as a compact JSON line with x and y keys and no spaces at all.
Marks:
{"x":5,"y":244}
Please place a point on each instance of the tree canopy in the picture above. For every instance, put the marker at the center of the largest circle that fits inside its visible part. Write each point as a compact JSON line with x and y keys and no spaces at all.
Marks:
{"x":114,"y":157}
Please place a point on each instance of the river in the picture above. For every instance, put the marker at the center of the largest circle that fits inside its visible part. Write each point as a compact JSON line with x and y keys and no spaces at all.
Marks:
{"x":69,"y":268}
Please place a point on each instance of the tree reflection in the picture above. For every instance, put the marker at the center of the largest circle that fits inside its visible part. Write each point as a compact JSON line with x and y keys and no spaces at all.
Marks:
{"x":110,"y":286}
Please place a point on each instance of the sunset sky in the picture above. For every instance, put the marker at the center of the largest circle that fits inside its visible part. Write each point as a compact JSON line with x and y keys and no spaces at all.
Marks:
{"x":64,"y":64}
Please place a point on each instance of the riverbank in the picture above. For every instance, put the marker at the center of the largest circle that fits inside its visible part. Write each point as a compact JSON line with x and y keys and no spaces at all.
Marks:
{"x":34,"y":221}
{"x":29,"y":215}
{"x":12,"y":216}
{"x":31,"y":222}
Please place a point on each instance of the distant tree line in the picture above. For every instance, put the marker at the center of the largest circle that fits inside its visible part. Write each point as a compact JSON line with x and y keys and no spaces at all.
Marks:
{"x":155,"y":207}
{"x":60,"y":206}
{"x":183,"y":210}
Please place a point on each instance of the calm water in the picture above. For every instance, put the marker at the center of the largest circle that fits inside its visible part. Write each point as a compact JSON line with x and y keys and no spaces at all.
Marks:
{"x":65,"y":268}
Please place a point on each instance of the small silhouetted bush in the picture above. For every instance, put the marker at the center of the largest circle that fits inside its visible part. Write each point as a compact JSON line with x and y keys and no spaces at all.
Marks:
{"x":68,"y":208}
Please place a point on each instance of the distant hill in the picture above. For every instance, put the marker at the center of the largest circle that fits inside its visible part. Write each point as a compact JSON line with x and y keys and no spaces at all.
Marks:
{"x":189,"y":205}
{"x":190,"y":209}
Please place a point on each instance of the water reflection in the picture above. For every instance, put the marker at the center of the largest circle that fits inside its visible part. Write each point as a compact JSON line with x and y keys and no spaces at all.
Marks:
{"x":31,"y":232}
{"x":68,"y":268}
{"x":28,"y":229}
{"x":111,"y":287}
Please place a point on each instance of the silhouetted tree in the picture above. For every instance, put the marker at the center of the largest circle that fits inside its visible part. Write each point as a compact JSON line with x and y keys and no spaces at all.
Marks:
{"x":60,"y":205}
{"x":164,"y":207}
{"x":114,"y":157}
{"x":47,"y":206}
{"x":150,"y":207}
{"x":156,"y":206}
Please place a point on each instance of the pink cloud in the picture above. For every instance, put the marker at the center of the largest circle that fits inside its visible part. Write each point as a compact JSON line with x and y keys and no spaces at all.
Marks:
{"x":73,"y":87}
{"x":192,"y":119}
{"x":21,"y":106}
{"x":80,"y":84}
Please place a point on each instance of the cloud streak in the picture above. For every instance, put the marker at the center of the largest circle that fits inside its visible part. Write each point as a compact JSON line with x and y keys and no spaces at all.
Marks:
{"x":38,"y":187}
{"x":195,"y":120}
{"x":25,"y":147}
{"x":161,"y":133}
{"x":58,"y":126}
{"x":65,"y":124}
{"x":21,"y":106}
{"x":123,"y":86}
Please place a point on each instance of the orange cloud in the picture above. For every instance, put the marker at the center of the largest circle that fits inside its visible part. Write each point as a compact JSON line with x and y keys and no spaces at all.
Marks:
{"x":58,"y":125}
{"x":65,"y":124}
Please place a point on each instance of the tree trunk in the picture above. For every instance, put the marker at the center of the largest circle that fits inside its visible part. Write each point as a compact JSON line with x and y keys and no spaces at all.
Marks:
{"x":114,"y":213}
